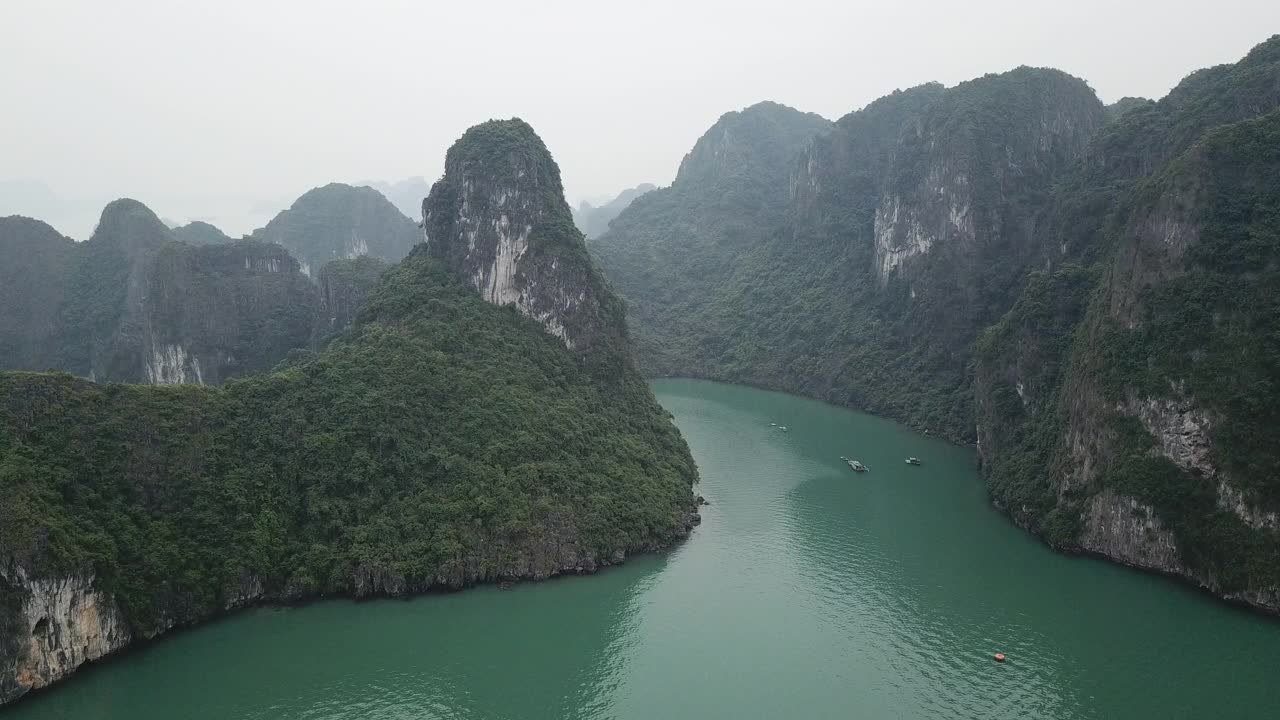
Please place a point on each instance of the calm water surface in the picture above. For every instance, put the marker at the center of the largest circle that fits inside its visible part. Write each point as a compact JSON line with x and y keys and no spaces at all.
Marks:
{"x":808,"y":592}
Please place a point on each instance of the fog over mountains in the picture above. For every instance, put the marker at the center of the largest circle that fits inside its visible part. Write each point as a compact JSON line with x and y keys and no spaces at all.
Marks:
{"x":233,"y":138}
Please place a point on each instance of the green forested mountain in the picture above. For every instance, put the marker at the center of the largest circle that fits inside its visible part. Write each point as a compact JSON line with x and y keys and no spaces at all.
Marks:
{"x":1124,"y":105}
{"x":1086,"y":291}
{"x":198,"y":232}
{"x":671,"y":250}
{"x":593,"y":221}
{"x":139,"y":302}
{"x":439,"y":441}
{"x":34,"y":263}
{"x":1127,"y":402}
{"x":264,"y":308}
{"x":860,"y":268}
{"x":498,"y":221}
{"x":340,"y":221}
{"x":134,"y":304}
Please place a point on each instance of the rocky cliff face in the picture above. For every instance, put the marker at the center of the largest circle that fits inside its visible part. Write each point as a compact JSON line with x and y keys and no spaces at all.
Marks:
{"x":60,"y":624}
{"x":337,"y":222}
{"x":499,"y":222}
{"x":954,"y":220}
{"x":100,"y":334}
{"x":1143,"y":428}
{"x":65,"y":621}
{"x":218,"y":311}
{"x":440,"y":441}
{"x":898,"y":236}
{"x":132,"y":304}
{"x":34,"y":265}
{"x":344,"y":284}
{"x":1010,"y":262}
{"x":971,"y":172}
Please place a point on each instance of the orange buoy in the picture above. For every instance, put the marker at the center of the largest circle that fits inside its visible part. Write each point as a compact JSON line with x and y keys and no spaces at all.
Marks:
{"x":999,"y":657}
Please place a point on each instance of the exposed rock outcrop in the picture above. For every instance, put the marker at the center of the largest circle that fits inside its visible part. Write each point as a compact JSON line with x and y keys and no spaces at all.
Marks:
{"x":343,"y":287}
{"x":65,"y":621}
{"x":864,"y":269}
{"x":499,"y":222}
{"x":62,"y":622}
{"x":1123,"y":529}
{"x":218,"y":311}
{"x":133,"y":304}
{"x":1180,"y":428}
{"x":1087,"y":291}
{"x":439,"y":442}
{"x":1149,"y":441}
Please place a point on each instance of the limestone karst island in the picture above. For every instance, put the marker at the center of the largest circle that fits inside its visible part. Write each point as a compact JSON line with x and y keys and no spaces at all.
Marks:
{"x":597,"y":362}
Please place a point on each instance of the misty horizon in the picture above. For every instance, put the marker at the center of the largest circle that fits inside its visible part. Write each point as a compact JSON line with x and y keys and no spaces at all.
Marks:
{"x":256,"y":107}
{"x":670,"y":360}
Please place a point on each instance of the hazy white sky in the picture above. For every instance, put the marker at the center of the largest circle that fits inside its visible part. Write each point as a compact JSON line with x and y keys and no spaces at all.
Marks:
{"x":204,"y":109}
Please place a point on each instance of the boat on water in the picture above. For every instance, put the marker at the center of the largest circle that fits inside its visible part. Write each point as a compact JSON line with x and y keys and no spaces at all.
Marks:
{"x":857,"y":466}
{"x":783,"y":428}
{"x":913,"y":461}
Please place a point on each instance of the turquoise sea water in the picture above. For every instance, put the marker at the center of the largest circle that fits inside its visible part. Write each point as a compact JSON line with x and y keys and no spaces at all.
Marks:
{"x":808,"y":592}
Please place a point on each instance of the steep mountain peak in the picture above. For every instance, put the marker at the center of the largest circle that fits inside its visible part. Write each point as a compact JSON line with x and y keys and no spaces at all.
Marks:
{"x":1037,"y":72}
{"x":762,"y":136}
{"x":1047,"y":94}
{"x":131,"y":226}
{"x":1119,"y":108}
{"x":777,"y":112}
{"x":499,"y":222}
{"x":1267,"y":51}
{"x":453,"y":440}
{"x":334,"y":191}
{"x":1017,"y":131}
{"x":20,"y":228}
{"x":33,"y":275}
{"x":338,"y":221}
{"x":506,"y":153}
{"x":892,"y":105}
{"x":1142,"y":140}
{"x":198,"y":232}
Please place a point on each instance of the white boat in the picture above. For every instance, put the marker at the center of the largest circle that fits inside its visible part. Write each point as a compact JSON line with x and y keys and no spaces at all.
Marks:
{"x":857,"y":466}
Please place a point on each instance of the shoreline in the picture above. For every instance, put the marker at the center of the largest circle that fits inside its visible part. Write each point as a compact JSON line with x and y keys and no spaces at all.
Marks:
{"x":1233,"y":600}
{"x":586,"y":567}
